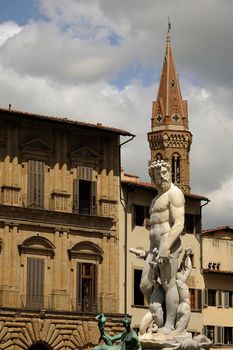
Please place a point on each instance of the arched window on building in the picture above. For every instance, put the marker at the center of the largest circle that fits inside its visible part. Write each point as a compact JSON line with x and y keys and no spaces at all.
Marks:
{"x":176,"y":168}
{"x":85,"y":257}
{"x":158,"y":156}
{"x":35,"y":253}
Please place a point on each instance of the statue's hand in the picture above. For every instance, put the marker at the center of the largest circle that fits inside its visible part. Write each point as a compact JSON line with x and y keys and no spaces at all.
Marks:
{"x":163,"y":259}
{"x":164,"y":253}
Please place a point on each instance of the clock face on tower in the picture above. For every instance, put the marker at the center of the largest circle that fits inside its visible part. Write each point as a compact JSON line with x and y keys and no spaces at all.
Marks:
{"x":176,"y":118}
{"x":159,"y":118}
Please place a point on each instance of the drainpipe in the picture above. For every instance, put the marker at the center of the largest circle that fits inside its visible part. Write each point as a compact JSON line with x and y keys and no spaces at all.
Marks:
{"x":124,"y":203}
{"x":207,"y":202}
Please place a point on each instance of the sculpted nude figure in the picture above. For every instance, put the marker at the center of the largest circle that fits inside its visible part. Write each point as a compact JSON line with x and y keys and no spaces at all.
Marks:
{"x":184,"y":309}
{"x":166,"y":226}
{"x":153,"y":319}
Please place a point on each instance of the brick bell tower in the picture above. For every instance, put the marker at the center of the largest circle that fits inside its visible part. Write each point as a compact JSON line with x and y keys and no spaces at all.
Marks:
{"x":170,"y":138}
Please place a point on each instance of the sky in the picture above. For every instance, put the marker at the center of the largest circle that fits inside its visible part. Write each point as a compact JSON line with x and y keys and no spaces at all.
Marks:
{"x":100,"y":61}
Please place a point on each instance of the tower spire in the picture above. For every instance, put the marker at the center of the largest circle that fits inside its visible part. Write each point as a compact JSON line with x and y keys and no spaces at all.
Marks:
{"x":169,"y":137}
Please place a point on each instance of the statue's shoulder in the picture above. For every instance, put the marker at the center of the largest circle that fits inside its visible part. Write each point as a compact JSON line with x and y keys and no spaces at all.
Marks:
{"x":176,"y":196}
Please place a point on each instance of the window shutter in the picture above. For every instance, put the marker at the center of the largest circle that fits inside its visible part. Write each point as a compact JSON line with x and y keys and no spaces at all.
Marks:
{"x":93,"y":197}
{"x":219,"y":298}
{"x":199,"y":299}
{"x":218,"y":335}
{"x":40,"y":179}
{"x":36,"y":180}
{"x":30,"y":183}
{"x":192,"y":298}
{"x":35,"y":283}
{"x":205,"y":297}
{"x":85,"y":173}
{"x":205,"y":330}
{"x":79,"y":286}
{"x":76,"y":196}
{"x":133,"y":216}
{"x":226,"y":298}
{"x":94,"y":286}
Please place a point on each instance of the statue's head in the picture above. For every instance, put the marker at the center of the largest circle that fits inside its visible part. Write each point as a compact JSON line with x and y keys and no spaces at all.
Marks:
{"x":160,"y":173}
{"x":127,"y":322}
{"x":101,"y":320}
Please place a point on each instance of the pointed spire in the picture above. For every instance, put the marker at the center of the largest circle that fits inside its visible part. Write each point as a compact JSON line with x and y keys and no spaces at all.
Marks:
{"x":169,"y":99}
{"x":170,"y":137}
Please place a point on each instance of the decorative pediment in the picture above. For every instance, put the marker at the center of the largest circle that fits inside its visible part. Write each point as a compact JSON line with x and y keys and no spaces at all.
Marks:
{"x":85,"y":153}
{"x":37,"y":245}
{"x":86,"y":250}
{"x":37,"y":145}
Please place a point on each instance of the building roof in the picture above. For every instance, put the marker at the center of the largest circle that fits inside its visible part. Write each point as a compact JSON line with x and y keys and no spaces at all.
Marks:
{"x":142,"y":184}
{"x":65,"y":121}
{"x":217,"y":229}
{"x":134,"y":180}
{"x":197,"y":196}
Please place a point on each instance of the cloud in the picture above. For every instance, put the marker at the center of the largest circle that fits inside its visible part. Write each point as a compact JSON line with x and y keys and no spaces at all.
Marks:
{"x":8,"y":30}
{"x":219,"y":210}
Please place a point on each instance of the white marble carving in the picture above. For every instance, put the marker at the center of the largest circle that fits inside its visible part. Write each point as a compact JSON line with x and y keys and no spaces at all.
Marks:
{"x":163,"y":281}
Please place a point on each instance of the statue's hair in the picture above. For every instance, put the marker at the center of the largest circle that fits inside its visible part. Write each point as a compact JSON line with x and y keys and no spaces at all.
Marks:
{"x":157,"y":164}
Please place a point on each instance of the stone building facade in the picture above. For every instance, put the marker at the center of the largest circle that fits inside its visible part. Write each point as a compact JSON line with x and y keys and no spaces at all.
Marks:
{"x":59,"y":231}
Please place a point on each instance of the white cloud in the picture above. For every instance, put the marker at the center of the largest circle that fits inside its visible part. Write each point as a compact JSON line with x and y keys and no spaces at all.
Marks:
{"x":8,"y":30}
{"x":219,"y":210}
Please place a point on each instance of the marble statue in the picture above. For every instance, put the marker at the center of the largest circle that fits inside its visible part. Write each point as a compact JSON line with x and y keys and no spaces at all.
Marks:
{"x":166,"y":226}
{"x":128,"y":340}
{"x":164,"y":277}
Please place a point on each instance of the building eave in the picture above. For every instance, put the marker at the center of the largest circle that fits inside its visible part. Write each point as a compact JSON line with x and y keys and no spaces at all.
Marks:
{"x":64,"y":121}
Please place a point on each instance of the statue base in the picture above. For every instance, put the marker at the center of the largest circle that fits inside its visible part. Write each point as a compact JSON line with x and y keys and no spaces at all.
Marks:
{"x":174,"y":341}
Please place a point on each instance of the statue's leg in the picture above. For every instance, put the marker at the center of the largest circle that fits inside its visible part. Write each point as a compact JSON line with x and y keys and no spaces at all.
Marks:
{"x":155,"y":307}
{"x":184,"y":312}
{"x":145,"y":322}
{"x":168,"y":271}
{"x":146,"y":284}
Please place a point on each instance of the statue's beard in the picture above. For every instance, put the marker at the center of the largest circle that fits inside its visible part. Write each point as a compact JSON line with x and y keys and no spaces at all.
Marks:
{"x":164,"y":184}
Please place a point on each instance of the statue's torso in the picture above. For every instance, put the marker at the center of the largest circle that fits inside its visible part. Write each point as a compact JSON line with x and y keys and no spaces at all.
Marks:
{"x":159,"y":218}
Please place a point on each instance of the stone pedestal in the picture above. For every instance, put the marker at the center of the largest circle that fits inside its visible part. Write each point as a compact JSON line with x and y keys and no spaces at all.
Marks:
{"x":181,"y":341}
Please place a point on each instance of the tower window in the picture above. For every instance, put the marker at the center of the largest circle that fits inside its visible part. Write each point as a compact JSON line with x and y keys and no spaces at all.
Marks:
{"x":176,"y":168}
{"x":158,"y":156}
{"x":173,"y":83}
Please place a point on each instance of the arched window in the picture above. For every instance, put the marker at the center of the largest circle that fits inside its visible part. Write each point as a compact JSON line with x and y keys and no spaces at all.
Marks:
{"x":87,"y":255}
{"x":158,"y":156}
{"x":34,"y":252}
{"x":176,"y":168}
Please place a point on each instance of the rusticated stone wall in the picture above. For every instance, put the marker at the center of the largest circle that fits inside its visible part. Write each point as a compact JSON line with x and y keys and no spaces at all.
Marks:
{"x":21,"y":329}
